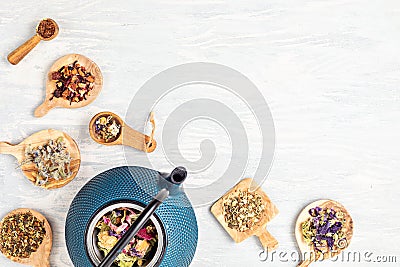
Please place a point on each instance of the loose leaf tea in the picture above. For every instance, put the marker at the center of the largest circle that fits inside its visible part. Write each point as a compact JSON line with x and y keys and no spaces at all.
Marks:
{"x":325,"y":230}
{"x":73,"y":83}
{"x":242,"y":210}
{"x":46,"y":28}
{"x":107,"y":128}
{"x":21,"y":235}
{"x":52,"y":161}
{"x":114,"y":225}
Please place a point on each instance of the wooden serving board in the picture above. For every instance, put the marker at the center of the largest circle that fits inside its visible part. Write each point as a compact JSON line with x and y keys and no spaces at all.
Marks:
{"x":259,"y":230}
{"x":90,"y":66}
{"x":37,"y":139}
{"x":40,"y":258}
{"x":307,"y":250}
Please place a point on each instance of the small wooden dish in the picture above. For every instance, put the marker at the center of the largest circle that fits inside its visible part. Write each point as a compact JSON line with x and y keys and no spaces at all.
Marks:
{"x":259,"y":230}
{"x":127,"y":135}
{"x":41,"y":138}
{"x":39,"y":258}
{"x":90,"y":66}
{"x":309,"y":250}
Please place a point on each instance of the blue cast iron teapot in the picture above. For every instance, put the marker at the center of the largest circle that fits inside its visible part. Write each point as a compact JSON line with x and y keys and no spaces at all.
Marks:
{"x":170,"y":211}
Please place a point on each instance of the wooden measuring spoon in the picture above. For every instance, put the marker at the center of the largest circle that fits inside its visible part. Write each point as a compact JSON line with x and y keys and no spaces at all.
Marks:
{"x":39,"y":258}
{"x":90,"y":66}
{"x":307,"y":250}
{"x":18,"y":54}
{"x":127,"y":136}
{"x":259,"y":230}
{"x":36,"y":140}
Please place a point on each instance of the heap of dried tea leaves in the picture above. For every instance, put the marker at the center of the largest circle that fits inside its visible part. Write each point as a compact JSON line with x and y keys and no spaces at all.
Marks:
{"x":21,"y":235}
{"x":325,"y":230}
{"x":52,"y":161}
{"x":73,"y":83}
{"x":107,"y":128}
{"x":242,"y":210}
{"x":46,"y":28}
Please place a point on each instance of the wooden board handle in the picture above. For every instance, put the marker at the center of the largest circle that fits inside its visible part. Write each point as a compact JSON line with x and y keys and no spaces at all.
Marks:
{"x":43,"y":263}
{"x":6,"y":148}
{"x":267,"y":240}
{"x":304,"y":263}
{"x":43,"y":109}
{"x":18,"y":54}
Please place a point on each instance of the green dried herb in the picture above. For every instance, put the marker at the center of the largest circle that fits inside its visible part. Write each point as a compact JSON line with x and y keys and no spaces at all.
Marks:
{"x":242,"y":210}
{"x":52,"y":161}
{"x":21,"y":235}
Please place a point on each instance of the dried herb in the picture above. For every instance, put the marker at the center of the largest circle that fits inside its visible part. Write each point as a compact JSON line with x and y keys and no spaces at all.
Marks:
{"x":73,"y":83}
{"x":114,"y":225}
{"x":242,"y":210}
{"x":21,"y":235}
{"x":107,"y":128}
{"x":46,"y":28}
{"x":325,"y":229}
{"x":52,"y":161}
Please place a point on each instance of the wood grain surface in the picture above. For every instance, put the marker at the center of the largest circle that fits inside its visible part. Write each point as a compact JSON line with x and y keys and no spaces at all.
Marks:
{"x":329,"y":70}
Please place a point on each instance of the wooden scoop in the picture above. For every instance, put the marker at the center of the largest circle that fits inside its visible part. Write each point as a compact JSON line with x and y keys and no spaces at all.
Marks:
{"x":18,"y":54}
{"x":39,"y":258}
{"x":259,"y":230}
{"x":36,"y":140}
{"x":90,"y":66}
{"x":308,"y":251}
{"x":127,"y":136}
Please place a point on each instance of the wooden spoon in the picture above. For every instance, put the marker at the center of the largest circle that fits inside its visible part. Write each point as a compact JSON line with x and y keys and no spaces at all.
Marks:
{"x":307,"y":250}
{"x":90,"y":66}
{"x":36,"y":140}
{"x":18,"y":54}
{"x":127,"y":136}
{"x":39,"y":258}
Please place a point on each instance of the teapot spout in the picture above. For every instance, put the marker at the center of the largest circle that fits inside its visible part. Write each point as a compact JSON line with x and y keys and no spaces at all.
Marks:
{"x":172,"y":181}
{"x":177,"y":176}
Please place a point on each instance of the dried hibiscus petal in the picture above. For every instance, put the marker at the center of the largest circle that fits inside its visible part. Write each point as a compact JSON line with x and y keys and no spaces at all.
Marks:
{"x":73,"y":83}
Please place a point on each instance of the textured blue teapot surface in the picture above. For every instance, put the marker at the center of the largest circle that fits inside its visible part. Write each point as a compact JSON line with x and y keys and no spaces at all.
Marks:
{"x":135,"y":184}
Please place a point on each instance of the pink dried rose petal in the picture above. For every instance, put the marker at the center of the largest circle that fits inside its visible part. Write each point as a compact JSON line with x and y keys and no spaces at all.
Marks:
{"x":143,"y":234}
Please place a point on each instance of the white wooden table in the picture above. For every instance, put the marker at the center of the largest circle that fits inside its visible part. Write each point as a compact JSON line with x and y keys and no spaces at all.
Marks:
{"x":329,"y":70}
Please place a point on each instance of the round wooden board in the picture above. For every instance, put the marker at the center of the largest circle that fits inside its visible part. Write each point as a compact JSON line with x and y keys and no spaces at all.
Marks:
{"x":90,"y":66}
{"x":38,"y":139}
{"x":40,"y":258}
{"x":304,"y":216}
